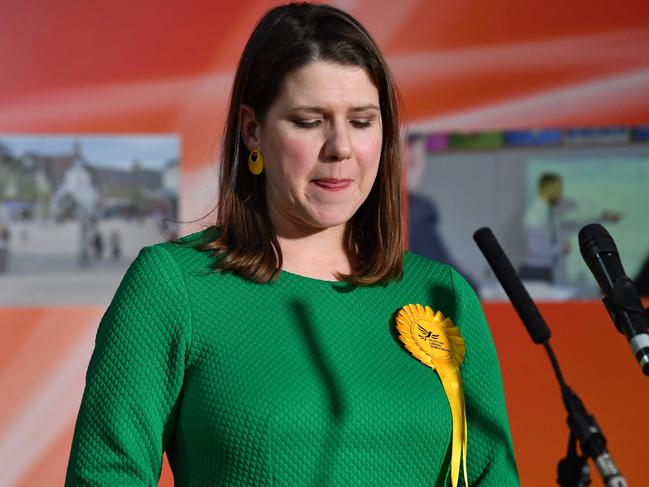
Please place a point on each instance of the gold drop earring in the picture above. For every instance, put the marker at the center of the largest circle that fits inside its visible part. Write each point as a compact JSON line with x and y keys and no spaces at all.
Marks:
{"x":255,"y":162}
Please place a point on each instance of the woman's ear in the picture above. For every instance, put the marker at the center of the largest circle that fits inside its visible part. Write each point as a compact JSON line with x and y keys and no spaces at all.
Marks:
{"x":249,"y":127}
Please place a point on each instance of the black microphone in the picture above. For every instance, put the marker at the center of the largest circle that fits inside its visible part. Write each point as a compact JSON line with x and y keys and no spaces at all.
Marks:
{"x":582,"y":424}
{"x":511,"y":283}
{"x":620,"y":295}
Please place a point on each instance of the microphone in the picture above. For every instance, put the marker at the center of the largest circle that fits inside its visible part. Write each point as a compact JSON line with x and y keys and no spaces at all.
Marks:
{"x":511,"y":283}
{"x":583,"y":426}
{"x":620,"y":295}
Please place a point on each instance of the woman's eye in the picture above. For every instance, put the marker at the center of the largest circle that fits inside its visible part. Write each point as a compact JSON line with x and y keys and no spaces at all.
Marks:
{"x":362,"y":123}
{"x":306,"y":124}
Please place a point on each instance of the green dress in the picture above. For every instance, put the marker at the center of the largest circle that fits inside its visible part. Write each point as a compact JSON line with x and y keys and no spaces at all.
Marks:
{"x":298,"y":382}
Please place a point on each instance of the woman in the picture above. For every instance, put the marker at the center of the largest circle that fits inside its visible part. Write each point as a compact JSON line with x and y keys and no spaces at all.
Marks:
{"x":264,"y":350}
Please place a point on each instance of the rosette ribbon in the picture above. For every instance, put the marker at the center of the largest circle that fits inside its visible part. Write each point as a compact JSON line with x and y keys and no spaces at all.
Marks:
{"x":435,"y":341}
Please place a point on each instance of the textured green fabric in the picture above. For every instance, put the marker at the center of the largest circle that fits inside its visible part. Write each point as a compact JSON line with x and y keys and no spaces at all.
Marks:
{"x":298,"y":382}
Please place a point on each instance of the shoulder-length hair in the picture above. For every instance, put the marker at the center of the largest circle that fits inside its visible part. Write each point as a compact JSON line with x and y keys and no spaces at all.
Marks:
{"x":285,"y":39}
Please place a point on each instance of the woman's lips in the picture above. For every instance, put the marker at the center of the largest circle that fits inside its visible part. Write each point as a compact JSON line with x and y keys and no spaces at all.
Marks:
{"x":331,"y":184}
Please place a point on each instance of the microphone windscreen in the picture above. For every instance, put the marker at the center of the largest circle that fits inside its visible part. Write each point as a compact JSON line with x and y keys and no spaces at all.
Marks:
{"x":594,"y":239}
{"x":511,"y":283}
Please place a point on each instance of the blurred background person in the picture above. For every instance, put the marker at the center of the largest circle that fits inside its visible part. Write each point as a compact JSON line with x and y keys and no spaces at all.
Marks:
{"x":4,"y":248}
{"x":548,"y":224}
{"x":424,"y":237}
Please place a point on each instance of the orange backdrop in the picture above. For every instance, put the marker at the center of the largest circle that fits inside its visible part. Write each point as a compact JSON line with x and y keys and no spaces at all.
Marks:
{"x":125,"y":67}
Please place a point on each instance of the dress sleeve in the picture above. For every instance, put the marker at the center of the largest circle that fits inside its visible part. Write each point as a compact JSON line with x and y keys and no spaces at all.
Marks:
{"x":134,"y":378}
{"x":490,"y":454}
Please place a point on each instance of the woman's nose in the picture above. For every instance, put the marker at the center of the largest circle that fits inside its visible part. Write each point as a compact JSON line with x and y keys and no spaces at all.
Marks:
{"x":337,"y":146}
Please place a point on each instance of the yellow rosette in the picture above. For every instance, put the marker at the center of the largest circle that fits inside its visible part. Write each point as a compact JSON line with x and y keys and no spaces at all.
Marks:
{"x":435,"y":341}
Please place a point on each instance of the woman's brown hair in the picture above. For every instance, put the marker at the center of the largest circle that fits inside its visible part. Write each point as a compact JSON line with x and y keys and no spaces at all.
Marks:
{"x":285,"y":39}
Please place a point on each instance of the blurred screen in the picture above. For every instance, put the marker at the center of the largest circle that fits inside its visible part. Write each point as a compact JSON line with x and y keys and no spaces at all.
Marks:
{"x":536,"y":190}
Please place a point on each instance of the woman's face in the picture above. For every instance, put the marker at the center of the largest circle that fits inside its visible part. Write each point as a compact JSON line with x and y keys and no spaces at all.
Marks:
{"x":321,"y":142}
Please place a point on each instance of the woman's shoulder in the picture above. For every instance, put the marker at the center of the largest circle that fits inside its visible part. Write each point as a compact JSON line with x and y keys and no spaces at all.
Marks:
{"x":415,"y":264}
{"x":185,"y":252}
{"x":420,"y":267}
{"x":168,"y":272}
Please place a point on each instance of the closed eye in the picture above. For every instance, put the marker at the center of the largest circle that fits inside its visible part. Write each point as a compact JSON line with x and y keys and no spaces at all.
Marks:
{"x":362,"y":123}
{"x":306,"y":124}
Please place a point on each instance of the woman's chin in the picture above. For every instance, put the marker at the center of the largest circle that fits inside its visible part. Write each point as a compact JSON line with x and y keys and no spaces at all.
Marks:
{"x":325,"y":220}
{"x":315,"y":219}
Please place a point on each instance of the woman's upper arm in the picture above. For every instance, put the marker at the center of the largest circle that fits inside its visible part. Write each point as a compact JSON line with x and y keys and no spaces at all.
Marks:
{"x":134,"y":377}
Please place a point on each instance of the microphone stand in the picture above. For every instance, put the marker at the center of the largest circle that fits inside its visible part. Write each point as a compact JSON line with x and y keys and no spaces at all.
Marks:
{"x":630,"y":318}
{"x":573,"y":470}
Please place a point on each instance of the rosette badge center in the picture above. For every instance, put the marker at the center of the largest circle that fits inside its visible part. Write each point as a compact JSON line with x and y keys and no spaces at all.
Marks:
{"x":431,"y":339}
{"x":435,"y":341}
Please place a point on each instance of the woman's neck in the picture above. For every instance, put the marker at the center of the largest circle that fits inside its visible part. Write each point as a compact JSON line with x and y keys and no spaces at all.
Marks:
{"x":316,"y":253}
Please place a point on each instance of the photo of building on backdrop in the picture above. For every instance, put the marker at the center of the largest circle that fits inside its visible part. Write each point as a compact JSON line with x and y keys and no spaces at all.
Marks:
{"x":536,"y":190}
{"x":75,"y":210}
